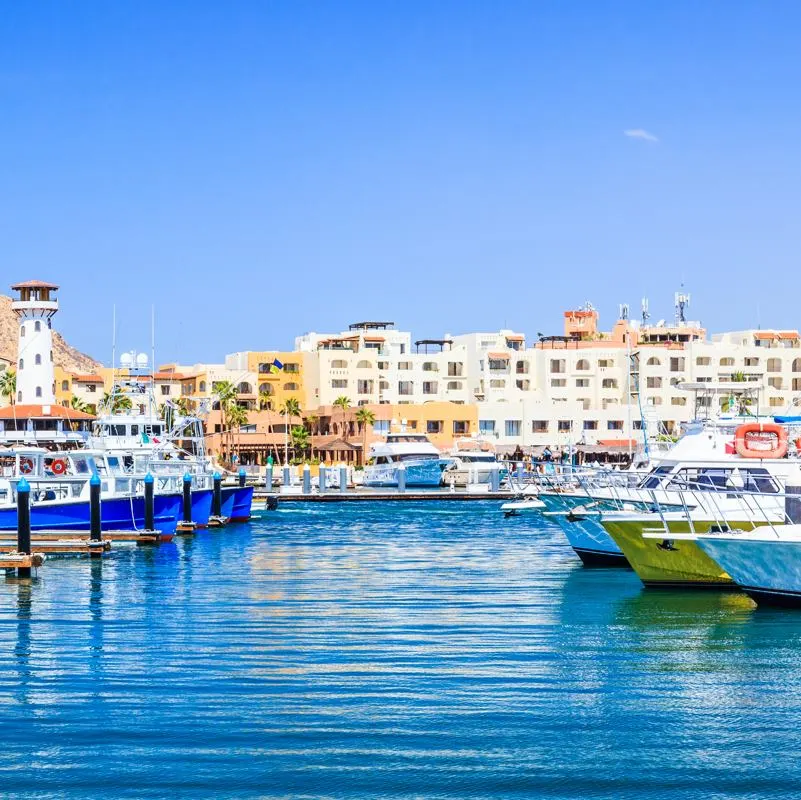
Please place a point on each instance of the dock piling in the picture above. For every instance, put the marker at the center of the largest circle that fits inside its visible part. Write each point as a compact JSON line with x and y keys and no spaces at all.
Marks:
{"x":323,"y":476}
{"x":268,"y":477}
{"x":287,"y":477}
{"x":495,"y":480}
{"x":187,"y":525}
{"x":343,"y":479}
{"x":94,"y":508}
{"x":150,"y":513}
{"x":242,"y":477}
{"x":24,"y":524}
{"x":306,"y":479}
{"x":216,"y":498}
{"x":401,"y":477}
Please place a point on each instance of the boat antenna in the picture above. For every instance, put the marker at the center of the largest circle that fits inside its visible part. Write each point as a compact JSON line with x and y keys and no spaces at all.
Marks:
{"x":682,"y":300}
{"x":645,"y":313}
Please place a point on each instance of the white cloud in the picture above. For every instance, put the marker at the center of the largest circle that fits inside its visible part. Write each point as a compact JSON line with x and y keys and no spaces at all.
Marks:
{"x":639,"y":133}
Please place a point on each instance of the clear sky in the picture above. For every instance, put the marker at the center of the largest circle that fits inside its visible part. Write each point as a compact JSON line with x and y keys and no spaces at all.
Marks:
{"x":261,"y":169}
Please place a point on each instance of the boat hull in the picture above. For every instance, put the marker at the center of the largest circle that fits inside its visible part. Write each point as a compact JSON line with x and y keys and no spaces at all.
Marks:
{"x":476,"y":475}
{"x":426,"y":473}
{"x":768,"y":571}
{"x":665,"y":562}
{"x":116,"y":513}
{"x":243,"y":499}
{"x":201,"y":507}
{"x":586,"y":535}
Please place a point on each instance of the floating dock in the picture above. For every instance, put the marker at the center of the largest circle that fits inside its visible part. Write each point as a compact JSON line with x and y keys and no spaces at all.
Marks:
{"x":370,"y":495}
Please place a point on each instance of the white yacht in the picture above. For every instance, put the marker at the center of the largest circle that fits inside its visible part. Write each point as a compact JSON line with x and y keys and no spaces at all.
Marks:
{"x":473,"y":461}
{"x":421,"y":460}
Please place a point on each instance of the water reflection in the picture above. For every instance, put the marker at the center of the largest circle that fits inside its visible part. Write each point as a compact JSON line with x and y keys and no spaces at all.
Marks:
{"x":22,"y":650}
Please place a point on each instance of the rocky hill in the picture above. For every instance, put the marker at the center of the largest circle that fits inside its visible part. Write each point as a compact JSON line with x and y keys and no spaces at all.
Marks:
{"x":65,"y":356}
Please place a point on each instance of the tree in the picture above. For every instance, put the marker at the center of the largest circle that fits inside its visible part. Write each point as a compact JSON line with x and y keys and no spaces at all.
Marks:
{"x":79,"y":405}
{"x":343,"y":403}
{"x":225,"y":392}
{"x":8,"y":385}
{"x":364,"y":417}
{"x":237,"y":416}
{"x":290,"y":408}
{"x":738,"y":377}
{"x":115,"y":402}
{"x":265,"y":401}
{"x":300,"y":442}
{"x":311,"y":422}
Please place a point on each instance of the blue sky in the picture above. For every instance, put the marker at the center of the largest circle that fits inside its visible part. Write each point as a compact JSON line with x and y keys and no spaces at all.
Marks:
{"x":257,"y":170}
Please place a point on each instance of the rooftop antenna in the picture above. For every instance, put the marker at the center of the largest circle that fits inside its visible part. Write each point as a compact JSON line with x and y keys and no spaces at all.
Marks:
{"x":113,"y":344}
{"x":624,"y":311}
{"x":682,"y":300}
{"x":644,"y":310}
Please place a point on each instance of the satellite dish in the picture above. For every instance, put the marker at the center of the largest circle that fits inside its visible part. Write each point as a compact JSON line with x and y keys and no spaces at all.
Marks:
{"x":141,"y":360}
{"x":126,"y":359}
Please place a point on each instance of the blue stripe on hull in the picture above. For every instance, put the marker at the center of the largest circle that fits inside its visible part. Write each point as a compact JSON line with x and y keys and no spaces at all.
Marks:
{"x":228,"y":495}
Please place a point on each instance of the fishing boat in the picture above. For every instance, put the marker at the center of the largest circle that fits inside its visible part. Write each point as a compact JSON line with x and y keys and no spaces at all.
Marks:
{"x":413,"y":452}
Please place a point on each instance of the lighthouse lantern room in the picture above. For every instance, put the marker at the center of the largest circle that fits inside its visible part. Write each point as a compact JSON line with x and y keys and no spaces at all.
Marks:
{"x":35,"y":306}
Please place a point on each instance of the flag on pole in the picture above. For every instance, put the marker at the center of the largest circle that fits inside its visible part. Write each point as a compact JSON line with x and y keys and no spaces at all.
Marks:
{"x":276,"y":365}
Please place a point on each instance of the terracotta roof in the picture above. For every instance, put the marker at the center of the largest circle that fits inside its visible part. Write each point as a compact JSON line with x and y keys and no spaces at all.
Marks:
{"x":515,"y":337}
{"x":169,"y":376}
{"x":788,"y":334}
{"x":504,"y":356}
{"x":88,"y":378}
{"x":34,"y":285}
{"x":37,"y":412}
{"x":765,"y":335}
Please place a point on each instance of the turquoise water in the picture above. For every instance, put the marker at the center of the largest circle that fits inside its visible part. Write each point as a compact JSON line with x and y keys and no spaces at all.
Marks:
{"x":388,"y":651}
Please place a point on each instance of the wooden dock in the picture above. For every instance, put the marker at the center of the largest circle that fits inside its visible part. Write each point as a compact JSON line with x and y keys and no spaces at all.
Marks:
{"x":370,"y":495}
{"x":60,"y":546}
{"x":21,"y":560}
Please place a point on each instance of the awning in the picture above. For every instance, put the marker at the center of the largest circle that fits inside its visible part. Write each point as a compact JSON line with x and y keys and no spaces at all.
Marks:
{"x":607,"y":443}
{"x":499,"y":356}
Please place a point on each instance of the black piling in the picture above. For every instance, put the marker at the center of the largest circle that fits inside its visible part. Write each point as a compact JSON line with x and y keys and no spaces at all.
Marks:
{"x":150,"y":524}
{"x":187,"y":497}
{"x":216,"y":499}
{"x":242,"y":477}
{"x":24,"y":524}
{"x":94,"y":508}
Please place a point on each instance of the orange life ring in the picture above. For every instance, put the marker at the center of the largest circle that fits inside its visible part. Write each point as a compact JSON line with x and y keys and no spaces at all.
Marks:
{"x":58,"y":466}
{"x":26,"y":465}
{"x":761,"y":440}
{"x":798,"y":444}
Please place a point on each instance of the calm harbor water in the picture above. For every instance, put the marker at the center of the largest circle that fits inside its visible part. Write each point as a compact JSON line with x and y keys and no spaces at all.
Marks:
{"x":368,"y":650}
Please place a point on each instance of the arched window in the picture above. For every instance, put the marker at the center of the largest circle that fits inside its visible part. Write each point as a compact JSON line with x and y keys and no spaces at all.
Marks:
{"x":65,"y":385}
{"x":202,"y":386}
{"x":37,"y":326}
{"x":290,"y":387}
{"x":21,"y":364}
{"x":582,"y":364}
{"x":266,"y":388}
{"x":38,"y":391}
{"x":797,"y":365}
{"x":363,"y":365}
{"x":339,"y":363}
{"x":37,"y":359}
{"x":653,"y":361}
{"x":22,"y":329}
{"x":244,"y":388}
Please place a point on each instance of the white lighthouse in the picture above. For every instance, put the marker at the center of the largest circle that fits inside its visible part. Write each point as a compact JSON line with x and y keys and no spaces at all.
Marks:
{"x":35,"y":308}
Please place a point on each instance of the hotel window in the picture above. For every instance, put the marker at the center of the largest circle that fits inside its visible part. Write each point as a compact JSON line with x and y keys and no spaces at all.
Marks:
{"x":727,"y":362}
{"x":522,"y":367}
{"x":774,"y":365}
{"x":165,"y":389}
{"x":290,"y":387}
{"x":339,"y":363}
{"x":339,"y":383}
{"x":455,"y":369}
{"x":454,"y":386}
{"x":557,"y":366}
{"x":486,"y":427}
{"x":405,"y":387}
{"x":654,"y":401}
{"x":751,"y":362}
{"x":590,"y":424}
{"x":38,"y":388}
{"x":653,"y":361}
{"x":364,"y":387}
{"x":37,"y":326}
{"x":775,"y":402}
{"x":609,"y":383}
{"x":605,"y":362}
{"x":65,"y":385}
{"x":429,"y":387}
{"x":498,"y":364}
{"x":564,"y":426}
{"x":654,"y":383}
{"x":677,"y":364}
{"x":37,"y":359}
{"x":678,"y":401}
{"x":291,"y":368}
{"x":405,"y":365}
{"x":582,"y":383}
{"x":22,"y":330}
{"x":381,"y":426}
{"x":497,"y":384}
{"x":512,"y":427}
{"x":703,"y":361}
{"x":90,"y":387}
{"x":523,"y":385}
{"x":434,"y":426}
{"x":558,"y":383}
{"x":383,"y":364}
{"x":383,"y":386}
{"x":461,"y":427}
{"x":202,"y":386}
{"x":364,"y":365}
{"x":430,"y":366}
{"x":539,"y":426}
{"x":21,"y":364}
{"x":582,"y":365}
{"x":614,"y":425}
{"x":775,"y":383}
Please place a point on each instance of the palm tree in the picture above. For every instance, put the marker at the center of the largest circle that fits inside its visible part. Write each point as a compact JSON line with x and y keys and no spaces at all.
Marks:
{"x":343,"y":403}
{"x":311,"y":422}
{"x":290,"y":409}
{"x":364,"y":417}
{"x":225,"y":392}
{"x":300,"y":441}
{"x":265,"y":400}
{"x":115,"y":402}
{"x":738,"y":377}
{"x":79,"y":405}
{"x":237,"y":416}
{"x":8,"y":385}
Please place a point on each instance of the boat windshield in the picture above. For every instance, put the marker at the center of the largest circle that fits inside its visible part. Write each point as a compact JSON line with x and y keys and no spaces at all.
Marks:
{"x":654,"y":478}
{"x":407,"y":437}
{"x":416,"y":457}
